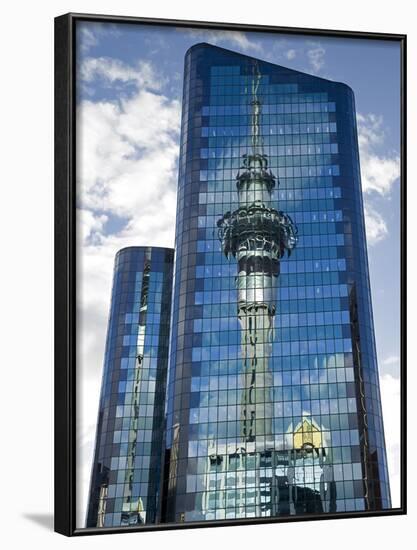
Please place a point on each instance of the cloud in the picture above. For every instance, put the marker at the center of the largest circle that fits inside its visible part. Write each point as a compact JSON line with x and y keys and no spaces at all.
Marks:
{"x":127,"y":155}
{"x":89,"y":34}
{"x":290,"y":54}
{"x":233,"y":38}
{"x":391,"y":360}
{"x":126,"y":167}
{"x":90,"y":226}
{"x":370,"y":129}
{"x":376,"y":228}
{"x":379,"y":172}
{"x":87,"y":38}
{"x":111,"y":71}
{"x":278,"y":50}
{"x":315,"y":55}
{"x":391,"y":400}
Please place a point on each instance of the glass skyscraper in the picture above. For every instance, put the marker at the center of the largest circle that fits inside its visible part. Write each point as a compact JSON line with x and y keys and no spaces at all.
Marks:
{"x":125,"y":482}
{"x":272,"y":406}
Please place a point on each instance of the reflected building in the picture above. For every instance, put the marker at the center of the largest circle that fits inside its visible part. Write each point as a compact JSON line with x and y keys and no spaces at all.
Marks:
{"x":273,"y":404}
{"x":125,"y":482}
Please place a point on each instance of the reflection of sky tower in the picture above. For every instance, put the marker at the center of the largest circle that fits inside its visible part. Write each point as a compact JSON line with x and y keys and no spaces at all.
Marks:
{"x":257,"y":235}
{"x":132,"y":509}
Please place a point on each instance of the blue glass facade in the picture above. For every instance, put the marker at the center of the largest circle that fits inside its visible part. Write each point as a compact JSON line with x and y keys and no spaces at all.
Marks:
{"x":317,"y":444}
{"x":125,"y":483}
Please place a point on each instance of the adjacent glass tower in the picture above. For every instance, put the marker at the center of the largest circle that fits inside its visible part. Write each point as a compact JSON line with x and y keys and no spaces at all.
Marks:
{"x":126,"y":475}
{"x":273,"y":403}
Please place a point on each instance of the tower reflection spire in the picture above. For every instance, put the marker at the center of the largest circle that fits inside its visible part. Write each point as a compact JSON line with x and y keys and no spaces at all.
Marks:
{"x":257,"y":236}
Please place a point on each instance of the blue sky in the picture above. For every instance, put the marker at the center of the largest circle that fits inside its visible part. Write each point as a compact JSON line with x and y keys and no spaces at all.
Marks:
{"x":129,"y":96}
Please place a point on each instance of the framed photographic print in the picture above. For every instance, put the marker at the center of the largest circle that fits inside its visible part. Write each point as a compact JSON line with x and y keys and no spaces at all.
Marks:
{"x":230,"y":274}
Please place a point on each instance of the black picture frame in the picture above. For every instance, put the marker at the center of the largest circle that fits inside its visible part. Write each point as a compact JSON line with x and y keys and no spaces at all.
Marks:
{"x":65,"y":267}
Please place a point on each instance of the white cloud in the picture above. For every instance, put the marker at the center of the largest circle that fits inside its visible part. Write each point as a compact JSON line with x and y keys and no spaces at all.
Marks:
{"x":391,"y":400}
{"x":89,"y":34}
{"x":234,"y":38}
{"x":112,"y":70}
{"x":379,"y":172}
{"x":315,"y":55}
{"x":87,"y":38}
{"x":391,"y":360}
{"x":370,"y":130}
{"x":127,"y":154}
{"x":290,"y":54}
{"x":376,"y":228}
{"x":90,"y":225}
{"x":127,"y":167}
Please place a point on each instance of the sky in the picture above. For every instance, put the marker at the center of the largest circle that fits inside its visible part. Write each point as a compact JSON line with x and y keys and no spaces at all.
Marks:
{"x":129,"y":88}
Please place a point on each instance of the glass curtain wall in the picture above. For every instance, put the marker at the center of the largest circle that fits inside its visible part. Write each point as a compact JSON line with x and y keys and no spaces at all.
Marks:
{"x":125,"y":483}
{"x":319,"y":445}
